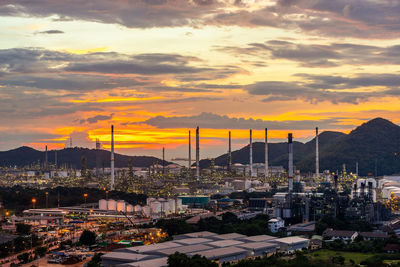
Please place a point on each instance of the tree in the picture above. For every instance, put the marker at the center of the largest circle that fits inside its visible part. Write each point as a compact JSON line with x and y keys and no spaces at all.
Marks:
{"x":87,"y":238}
{"x":23,"y":229}
{"x":24,"y":257}
{"x":41,"y":251}
{"x":182,"y":260}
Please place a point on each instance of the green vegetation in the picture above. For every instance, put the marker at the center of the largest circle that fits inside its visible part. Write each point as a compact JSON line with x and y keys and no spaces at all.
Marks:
{"x":95,"y":261}
{"x":87,"y":238}
{"x":182,"y":260}
{"x":229,"y":224}
{"x":327,"y":255}
{"x":339,"y":224}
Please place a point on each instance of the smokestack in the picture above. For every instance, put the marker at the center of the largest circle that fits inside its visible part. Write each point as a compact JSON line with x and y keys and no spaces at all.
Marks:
{"x":112,"y":157}
{"x":55,"y":158}
{"x":357,"y":168}
{"x":290,"y":172}
{"x":230,"y":153}
{"x":46,"y":160}
{"x":266,"y":154}
{"x":316,"y":153}
{"x":163,"y":160}
{"x":197,"y":154}
{"x":190,"y":153}
{"x":251,"y":154}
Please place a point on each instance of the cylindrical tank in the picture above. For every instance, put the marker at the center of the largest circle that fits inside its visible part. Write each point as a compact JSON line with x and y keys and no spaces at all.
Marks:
{"x":121,"y":205}
{"x":129,"y":208}
{"x":103,"y":204}
{"x":146,"y":210}
{"x":149,"y":200}
{"x":138,"y":208}
{"x":171,"y":204}
{"x":111,"y":204}
{"x":160,"y":199}
{"x":178,"y":204}
{"x":155,"y":207}
{"x":165,"y":207}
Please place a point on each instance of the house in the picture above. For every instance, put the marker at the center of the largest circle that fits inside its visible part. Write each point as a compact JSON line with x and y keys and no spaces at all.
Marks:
{"x":392,"y":248}
{"x":374,"y":235}
{"x":348,"y":236}
{"x":275,"y":224}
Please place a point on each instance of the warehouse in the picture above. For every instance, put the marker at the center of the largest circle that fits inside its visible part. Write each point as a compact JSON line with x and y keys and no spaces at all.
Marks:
{"x":220,"y":248}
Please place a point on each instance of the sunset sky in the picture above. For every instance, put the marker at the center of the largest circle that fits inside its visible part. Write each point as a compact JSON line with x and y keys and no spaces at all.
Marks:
{"x":157,"y":68}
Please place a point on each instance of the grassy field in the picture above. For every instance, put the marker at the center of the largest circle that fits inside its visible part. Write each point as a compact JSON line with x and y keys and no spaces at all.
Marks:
{"x":327,"y":254}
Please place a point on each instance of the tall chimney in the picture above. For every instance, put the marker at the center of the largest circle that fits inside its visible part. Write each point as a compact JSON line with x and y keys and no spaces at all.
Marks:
{"x":266,"y":154}
{"x":290,"y":171}
{"x":55,"y":158}
{"x":357,"y":168}
{"x":316,"y":153}
{"x":46,"y":160}
{"x":112,"y":157}
{"x":197,"y":154}
{"x":190,"y":152}
{"x":163,"y":160}
{"x":230,"y":153}
{"x":251,"y":154}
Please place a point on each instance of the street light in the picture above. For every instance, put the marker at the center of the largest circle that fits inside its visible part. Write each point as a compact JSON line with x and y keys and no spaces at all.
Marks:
{"x":85,"y":196}
{"x":106,"y":194}
{"x":33,"y":202}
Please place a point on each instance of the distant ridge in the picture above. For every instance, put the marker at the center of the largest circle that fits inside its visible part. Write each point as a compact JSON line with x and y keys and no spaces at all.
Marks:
{"x":376,"y":141}
{"x":24,"y":156}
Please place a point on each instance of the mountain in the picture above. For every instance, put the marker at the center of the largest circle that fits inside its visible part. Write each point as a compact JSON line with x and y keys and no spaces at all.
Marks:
{"x":374,"y":143}
{"x":24,"y":156}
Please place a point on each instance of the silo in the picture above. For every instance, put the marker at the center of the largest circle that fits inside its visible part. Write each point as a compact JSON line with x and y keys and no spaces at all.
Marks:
{"x":121,"y":205}
{"x":178,"y":204}
{"x":146,"y":211}
{"x":103,"y":204}
{"x":165,"y":207}
{"x":138,"y":208}
{"x":171,"y":205}
{"x":129,"y":208}
{"x":111,"y":204}
{"x":155,"y":207}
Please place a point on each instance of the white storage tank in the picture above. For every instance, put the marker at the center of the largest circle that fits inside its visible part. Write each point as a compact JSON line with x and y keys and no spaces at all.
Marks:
{"x":146,"y":211}
{"x":121,"y":205}
{"x":103,"y":204}
{"x":165,"y":207}
{"x":149,"y":200}
{"x":155,"y":207}
{"x":178,"y":203}
{"x":171,"y":204}
{"x":129,"y":208}
{"x":111,"y":204}
{"x":138,"y":208}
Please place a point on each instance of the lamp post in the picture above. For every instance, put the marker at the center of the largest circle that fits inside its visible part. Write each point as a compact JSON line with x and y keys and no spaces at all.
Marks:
{"x":33,"y":202}
{"x":85,"y":196}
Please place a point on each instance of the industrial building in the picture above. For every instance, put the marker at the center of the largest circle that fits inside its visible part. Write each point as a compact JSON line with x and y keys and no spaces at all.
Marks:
{"x":220,"y":248}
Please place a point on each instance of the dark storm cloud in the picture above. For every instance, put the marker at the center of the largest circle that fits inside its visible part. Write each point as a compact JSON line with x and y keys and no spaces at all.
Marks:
{"x":215,"y":121}
{"x":354,"y":18}
{"x":44,"y":69}
{"x":98,"y":118}
{"x":334,"y":89}
{"x":51,"y":32}
{"x":313,"y":55}
{"x":134,"y":13}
